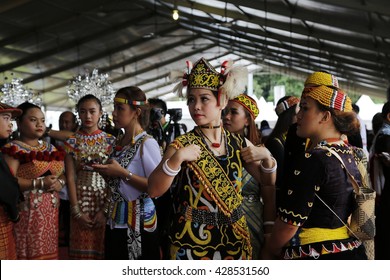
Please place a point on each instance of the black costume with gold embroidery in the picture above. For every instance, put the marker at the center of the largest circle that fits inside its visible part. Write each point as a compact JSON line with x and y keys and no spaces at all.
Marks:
{"x":320,"y":231}
{"x":208,"y":222}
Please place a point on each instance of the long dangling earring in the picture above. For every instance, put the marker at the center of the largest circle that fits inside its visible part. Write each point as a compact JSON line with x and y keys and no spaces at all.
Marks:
{"x":78,"y":120}
{"x":246,"y":131}
{"x":103,"y":121}
{"x":100,"y":123}
{"x":132,"y":138}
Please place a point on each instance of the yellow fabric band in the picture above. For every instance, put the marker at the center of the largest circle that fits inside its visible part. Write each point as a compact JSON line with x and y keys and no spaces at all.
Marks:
{"x":313,"y":235}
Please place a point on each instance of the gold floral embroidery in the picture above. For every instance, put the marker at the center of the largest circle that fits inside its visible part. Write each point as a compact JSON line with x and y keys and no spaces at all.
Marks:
{"x":289,"y":192}
{"x":297,"y":172}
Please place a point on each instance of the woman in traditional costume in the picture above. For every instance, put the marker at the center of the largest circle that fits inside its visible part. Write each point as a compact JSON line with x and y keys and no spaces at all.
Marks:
{"x":87,"y":188}
{"x":39,"y":169}
{"x":258,"y":201}
{"x":206,"y":166}
{"x":9,"y":190}
{"x":131,"y":231}
{"x":318,"y":199}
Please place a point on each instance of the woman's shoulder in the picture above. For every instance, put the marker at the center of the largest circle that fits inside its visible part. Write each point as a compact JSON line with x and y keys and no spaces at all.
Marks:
{"x":148,"y":140}
{"x":325,"y":153}
{"x":186,"y":137}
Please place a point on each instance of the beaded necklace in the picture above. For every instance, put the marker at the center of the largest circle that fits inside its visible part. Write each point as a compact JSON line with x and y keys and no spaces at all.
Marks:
{"x":341,"y":140}
{"x":213,"y":144}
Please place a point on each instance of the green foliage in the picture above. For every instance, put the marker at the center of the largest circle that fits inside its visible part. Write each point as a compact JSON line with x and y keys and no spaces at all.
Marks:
{"x":263,"y":85}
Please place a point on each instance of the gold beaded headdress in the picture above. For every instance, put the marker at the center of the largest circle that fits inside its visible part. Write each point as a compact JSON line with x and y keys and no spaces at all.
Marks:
{"x":332,"y":98}
{"x":322,"y":78}
{"x":286,"y":104}
{"x":249,"y":104}
{"x":230,"y":82}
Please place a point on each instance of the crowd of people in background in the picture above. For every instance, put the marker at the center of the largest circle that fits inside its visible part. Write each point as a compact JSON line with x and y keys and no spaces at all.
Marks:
{"x":145,"y":188}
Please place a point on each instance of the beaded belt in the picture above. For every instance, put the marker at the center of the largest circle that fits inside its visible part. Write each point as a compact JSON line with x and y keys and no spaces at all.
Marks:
{"x":211,"y":218}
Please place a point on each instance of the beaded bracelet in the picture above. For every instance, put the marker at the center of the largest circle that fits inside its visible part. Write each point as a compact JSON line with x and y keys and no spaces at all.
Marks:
{"x":62,"y":182}
{"x":269,"y":170}
{"x":42,"y":182}
{"x":169,"y":171}
{"x":268,"y":223}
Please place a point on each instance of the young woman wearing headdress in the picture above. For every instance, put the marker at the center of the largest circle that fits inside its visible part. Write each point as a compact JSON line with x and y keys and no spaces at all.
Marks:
{"x":131,"y":231}
{"x":206,"y":164}
{"x":39,"y":168}
{"x":258,"y":200}
{"x":306,"y":228}
{"x":286,"y":109}
{"x":295,"y":145}
{"x":9,"y":190}
{"x":87,"y":189}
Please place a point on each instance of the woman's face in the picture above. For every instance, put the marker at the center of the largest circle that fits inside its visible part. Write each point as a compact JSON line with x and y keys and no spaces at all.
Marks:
{"x":89,"y":113}
{"x":123,"y":115}
{"x":203,"y":107}
{"x":32,"y":124}
{"x":309,"y":118}
{"x":5,"y":125}
{"x":234,"y":117}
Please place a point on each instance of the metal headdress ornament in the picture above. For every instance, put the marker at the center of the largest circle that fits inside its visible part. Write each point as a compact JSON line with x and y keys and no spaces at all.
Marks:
{"x":15,"y":93}
{"x":95,"y":84}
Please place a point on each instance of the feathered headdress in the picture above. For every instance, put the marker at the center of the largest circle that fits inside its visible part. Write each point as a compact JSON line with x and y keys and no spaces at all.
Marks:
{"x":229,"y":83}
{"x":235,"y":79}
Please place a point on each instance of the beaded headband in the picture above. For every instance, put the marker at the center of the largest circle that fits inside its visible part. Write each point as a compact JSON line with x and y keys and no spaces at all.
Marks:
{"x":322,"y":78}
{"x":286,"y":104}
{"x":131,"y":102}
{"x":331,"y":98}
{"x":249,"y":104}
